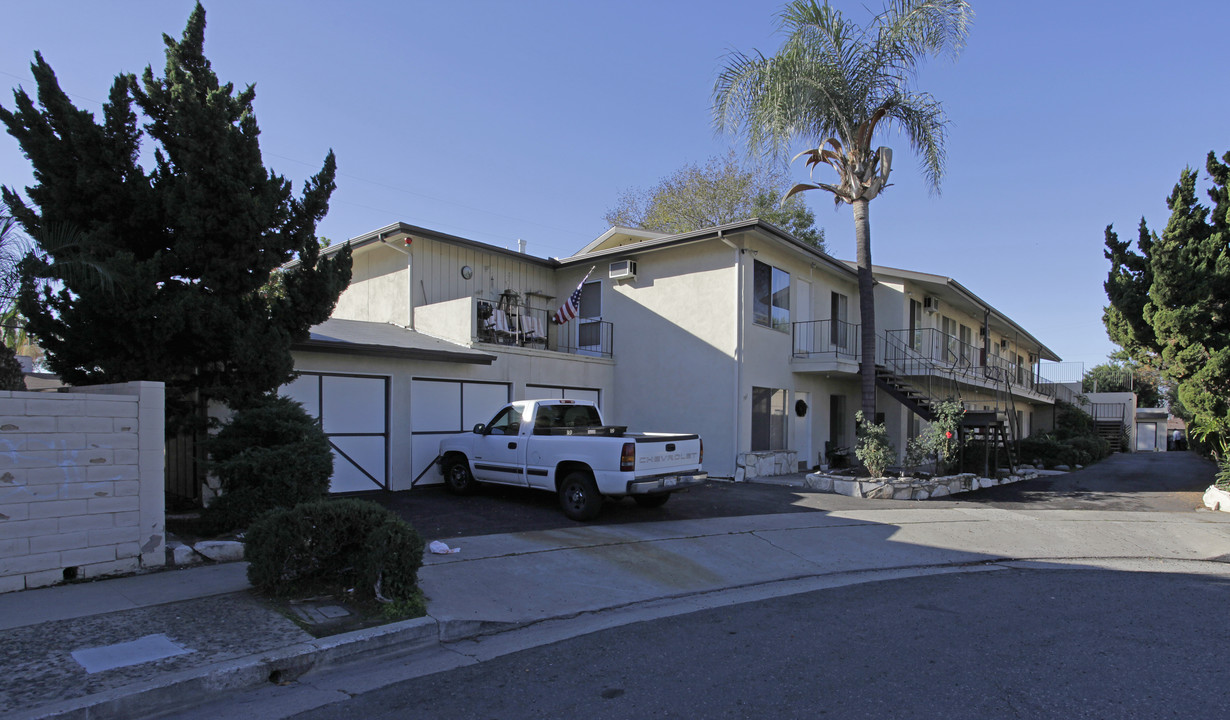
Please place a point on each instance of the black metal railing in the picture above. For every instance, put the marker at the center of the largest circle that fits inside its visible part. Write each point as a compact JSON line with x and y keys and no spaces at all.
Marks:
{"x":528,"y":327}
{"x":825,"y":338}
{"x":595,"y":338}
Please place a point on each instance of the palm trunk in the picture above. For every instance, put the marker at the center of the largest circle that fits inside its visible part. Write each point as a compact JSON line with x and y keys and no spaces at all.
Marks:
{"x":866,"y":308}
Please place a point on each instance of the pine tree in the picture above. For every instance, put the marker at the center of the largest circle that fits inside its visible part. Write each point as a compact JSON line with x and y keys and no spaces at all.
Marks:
{"x":167,"y":274}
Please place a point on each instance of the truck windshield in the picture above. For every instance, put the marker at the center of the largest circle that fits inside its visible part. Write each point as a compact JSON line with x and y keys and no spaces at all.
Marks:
{"x":566,"y":416}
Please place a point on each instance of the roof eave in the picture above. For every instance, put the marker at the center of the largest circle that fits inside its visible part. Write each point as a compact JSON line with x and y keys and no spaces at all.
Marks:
{"x":350,"y":348}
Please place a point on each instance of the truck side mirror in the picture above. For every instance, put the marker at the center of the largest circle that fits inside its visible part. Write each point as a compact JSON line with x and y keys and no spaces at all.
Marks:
{"x":478,"y":429}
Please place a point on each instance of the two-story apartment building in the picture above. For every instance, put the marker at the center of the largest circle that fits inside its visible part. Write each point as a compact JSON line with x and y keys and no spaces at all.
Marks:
{"x":739,"y":332}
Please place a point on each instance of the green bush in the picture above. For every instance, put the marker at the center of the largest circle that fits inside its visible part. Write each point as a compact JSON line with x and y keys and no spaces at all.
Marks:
{"x":271,"y":455}
{"x":335,"y":545}
{"x":1091,"y":448}
{"x":11,"y":376}
{"x":873,"y":449}
{"x":1046,"y":451}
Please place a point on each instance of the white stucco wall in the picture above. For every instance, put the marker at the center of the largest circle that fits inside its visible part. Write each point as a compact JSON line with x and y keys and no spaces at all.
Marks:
{"x":81,"y":483}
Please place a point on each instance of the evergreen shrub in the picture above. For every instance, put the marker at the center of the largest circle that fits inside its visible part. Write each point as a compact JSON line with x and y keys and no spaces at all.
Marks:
{"x":270,"y":455}
{"x":335,"y":546}
{"x":874,"y":449}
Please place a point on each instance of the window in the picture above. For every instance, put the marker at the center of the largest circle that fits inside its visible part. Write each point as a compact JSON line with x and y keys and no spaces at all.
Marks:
{"x":590,"y":305}
{"x":507,"y":422}
{"x":916,"y":325}
{"x":967,"y":347}
{"x":771,"y":296}
{"x":948,"y":327}
{"x":768,"y":419}
{"x":839,"y":311}
{"x":566,"y":416}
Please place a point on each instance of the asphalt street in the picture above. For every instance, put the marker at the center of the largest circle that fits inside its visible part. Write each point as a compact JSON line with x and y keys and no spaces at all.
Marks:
{"x":1166,"y":482}
{"x":1074,"y":643}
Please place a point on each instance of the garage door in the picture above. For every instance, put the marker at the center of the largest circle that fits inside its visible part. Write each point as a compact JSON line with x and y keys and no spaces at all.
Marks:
{"x":1146,"y":437}
{"x":440,"y":408}
{"x":354,"y":412}
{"x":551,"y":392}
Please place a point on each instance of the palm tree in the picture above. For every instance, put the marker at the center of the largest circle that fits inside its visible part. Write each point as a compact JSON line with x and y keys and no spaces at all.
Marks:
{"x":836,"y":84}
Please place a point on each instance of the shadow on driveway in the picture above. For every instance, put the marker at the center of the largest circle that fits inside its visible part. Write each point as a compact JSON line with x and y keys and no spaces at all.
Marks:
{"x":501,"y":509}
{"x":1162,"y":482}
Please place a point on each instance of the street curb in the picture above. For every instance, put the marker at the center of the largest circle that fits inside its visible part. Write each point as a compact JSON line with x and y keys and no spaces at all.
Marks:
{"x":187,"y":687}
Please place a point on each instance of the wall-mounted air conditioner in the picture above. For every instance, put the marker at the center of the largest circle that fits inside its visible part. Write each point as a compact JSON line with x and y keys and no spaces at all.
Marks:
{"x":931,"y":304}
{"x":623,"y":270}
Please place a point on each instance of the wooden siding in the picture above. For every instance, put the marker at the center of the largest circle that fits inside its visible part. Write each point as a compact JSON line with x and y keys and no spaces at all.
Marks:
{"x":437,"y":275}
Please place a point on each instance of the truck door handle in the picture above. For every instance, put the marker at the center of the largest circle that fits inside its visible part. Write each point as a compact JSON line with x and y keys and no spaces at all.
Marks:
{"x":512,"y":446}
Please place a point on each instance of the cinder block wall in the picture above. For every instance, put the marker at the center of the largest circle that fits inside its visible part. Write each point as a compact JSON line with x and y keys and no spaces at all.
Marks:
{"x":81,"y":483}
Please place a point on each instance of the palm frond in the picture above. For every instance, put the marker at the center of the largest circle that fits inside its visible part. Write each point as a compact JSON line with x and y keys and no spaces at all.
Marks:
{"x":832,"y":80}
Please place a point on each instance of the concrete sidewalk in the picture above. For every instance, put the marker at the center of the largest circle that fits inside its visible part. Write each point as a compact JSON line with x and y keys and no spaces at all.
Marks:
{"x":210,"y":635}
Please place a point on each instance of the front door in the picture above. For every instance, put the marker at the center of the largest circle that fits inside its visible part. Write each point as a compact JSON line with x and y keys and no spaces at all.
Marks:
{"x":802,"y":428}
{"x":589,"y":326}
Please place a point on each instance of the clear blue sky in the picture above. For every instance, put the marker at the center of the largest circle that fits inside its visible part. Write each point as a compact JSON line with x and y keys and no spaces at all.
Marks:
{"x":504,"y":120}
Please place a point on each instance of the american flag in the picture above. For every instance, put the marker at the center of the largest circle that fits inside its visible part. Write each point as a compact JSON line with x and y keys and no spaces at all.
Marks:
{"x":572,"y":306}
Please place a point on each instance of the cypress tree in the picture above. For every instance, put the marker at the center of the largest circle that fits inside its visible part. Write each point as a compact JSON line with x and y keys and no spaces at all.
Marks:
{"x":170,"y":273}
{"x":1170,"y":301}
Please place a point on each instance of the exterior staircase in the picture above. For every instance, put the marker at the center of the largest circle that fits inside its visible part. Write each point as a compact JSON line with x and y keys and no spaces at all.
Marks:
{"x":997,"y":429}
{"x":903,"y":392}
{"x":1112,"y":432}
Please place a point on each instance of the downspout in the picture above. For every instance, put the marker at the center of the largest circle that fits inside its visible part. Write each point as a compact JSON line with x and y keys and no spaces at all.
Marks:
{"x":739,"y":317}
{"x":384,"y":240}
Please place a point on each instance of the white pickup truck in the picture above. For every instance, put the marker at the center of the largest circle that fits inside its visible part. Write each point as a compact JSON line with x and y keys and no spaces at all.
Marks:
{"x":562,"y":446}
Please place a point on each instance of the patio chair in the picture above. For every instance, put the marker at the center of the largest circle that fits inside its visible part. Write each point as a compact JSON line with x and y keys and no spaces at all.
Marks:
{"x":531,"y":330}
{"x":498,"y":326}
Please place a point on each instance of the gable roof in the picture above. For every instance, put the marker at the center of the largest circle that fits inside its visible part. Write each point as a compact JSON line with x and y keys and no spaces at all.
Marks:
{"x":398,"y":232}
{"x":610,"y":248}
{"x":941,"y":285}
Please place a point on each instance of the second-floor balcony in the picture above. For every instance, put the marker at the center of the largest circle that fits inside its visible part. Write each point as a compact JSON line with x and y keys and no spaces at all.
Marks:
{"x":471,"y":320}
{"x":834,"y":345}
{"x":534,"y":328}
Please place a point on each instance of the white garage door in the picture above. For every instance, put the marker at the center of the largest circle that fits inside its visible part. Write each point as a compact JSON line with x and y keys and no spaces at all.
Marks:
{"x":1146,"y":437}
{"x":550,"y":392}
{"x":439,"y":408}
{"x":354,"y":412}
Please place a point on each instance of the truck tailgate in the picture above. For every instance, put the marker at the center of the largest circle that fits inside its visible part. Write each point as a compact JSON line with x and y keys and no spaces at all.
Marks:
{"x":662,"y":453}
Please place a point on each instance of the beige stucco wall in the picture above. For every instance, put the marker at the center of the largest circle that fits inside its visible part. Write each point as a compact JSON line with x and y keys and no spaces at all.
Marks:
{"x":81,"y":483}
{"x":379,"y":288}
{"x":674,"y":343}
{"x":452,"y":320}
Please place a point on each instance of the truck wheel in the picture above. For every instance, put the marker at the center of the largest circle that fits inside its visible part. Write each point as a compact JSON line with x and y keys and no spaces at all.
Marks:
{"x":579,"y":496}
{"x":457,"y":477}
{"x":652,"y":501}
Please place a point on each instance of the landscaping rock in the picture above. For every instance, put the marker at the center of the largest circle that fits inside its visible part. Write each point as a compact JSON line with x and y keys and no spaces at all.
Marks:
{"x":221,"y":550}
{"x":181,"y":554}
{"x":818,"y":482}
{"x":1217,"y":499}
{"x":846,"y":487}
